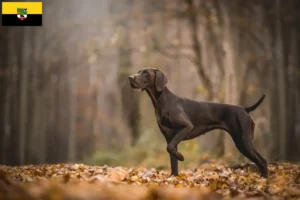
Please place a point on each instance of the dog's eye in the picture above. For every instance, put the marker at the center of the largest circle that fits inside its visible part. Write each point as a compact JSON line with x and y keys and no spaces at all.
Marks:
{"x":145,"y":73}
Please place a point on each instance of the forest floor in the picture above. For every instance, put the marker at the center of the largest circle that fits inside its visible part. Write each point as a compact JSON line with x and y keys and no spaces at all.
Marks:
{"x":210,"y":181}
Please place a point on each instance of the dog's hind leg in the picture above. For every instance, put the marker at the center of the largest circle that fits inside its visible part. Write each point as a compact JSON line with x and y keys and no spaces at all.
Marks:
{"x":252,"y":135}
{"x":243,"y":133}
{"x":246,"y":147}
{"x":248,"y":151}
{"x":252,"y":127}
{"x":260,"y":157}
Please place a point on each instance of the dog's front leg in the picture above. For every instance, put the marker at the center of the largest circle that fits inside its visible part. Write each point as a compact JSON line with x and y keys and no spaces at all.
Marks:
{"x":168,"y":133}
{"x":187,"y":127}
{"x":173,"y":162}
{"x":174,"y":165}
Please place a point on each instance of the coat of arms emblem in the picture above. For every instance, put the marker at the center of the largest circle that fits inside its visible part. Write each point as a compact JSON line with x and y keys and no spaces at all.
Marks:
{"x":22,"y":13}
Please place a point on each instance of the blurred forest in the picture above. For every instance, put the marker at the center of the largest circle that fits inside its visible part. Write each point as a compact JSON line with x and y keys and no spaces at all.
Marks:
{"x":65,"y":95}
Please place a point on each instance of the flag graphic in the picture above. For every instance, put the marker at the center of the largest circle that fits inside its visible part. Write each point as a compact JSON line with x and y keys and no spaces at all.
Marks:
{"x":22,"y":14}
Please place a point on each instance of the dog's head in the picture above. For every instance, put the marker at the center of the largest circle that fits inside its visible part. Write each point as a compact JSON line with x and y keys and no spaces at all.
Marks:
{"x":148,"y":78}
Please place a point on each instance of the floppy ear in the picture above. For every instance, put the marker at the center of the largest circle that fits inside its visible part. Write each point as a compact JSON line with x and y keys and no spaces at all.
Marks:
{"x":160,"y":80}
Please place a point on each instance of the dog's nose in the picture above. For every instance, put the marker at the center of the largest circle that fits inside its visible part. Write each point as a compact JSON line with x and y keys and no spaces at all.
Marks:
{"x":131,"y":77}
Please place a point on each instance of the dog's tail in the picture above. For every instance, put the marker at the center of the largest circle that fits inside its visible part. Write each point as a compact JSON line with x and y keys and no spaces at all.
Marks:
{"x":253,"y":107}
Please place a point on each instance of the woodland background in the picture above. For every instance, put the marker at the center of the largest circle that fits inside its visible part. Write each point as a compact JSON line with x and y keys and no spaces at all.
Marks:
{"x":65,"y":96}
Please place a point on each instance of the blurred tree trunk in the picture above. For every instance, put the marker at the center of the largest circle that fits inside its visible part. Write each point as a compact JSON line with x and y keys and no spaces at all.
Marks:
{"x":51,"y":126}
{"x":10,"y":87}
{"x":35,"y":103}
{"x":42,"y":153}
{"x":291,"y":141}
{"x":213,"y":28}
{"x":35,"y":118}
{"x":13,"y":144}
{"x":5,"y":91}
{"x":177,"y":53}
{"x":292,"y":80}
{"x":57,"y":150}
{"x":24,"y":68}
{"x":42,"y":108}
{"x":94,"y":93}
{"x":130,"y":99}
{"x":280,"y":77}
{"x":230,"y":43}
{"x":192,"y":16}
{"x":72,"y":129}
{"x":284,"y":80}
{"x":72,"y":82}
{"x":99,"y":101}
{"x":6,"y":124}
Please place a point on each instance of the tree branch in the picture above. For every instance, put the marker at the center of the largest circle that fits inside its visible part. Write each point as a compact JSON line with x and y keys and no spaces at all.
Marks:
{"x":215,"y":40}
{"x":192,"y":18}
{"x":169,"y":55}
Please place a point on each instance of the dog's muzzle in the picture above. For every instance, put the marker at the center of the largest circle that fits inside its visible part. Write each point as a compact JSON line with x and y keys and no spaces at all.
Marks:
{"x":132,"y":82}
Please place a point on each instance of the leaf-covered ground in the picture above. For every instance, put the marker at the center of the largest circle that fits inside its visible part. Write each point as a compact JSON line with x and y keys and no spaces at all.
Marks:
{"x":212,"y":181}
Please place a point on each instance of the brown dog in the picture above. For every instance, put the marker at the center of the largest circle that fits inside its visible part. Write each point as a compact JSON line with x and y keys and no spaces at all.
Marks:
{"x":182,"y":119}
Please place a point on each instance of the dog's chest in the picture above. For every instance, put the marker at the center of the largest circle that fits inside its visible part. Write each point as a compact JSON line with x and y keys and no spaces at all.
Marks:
{"x":164,"y":118}
{"x":166,"y":121}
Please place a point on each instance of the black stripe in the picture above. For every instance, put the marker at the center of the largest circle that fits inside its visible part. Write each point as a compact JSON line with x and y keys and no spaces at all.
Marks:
{"x":31,"y":20}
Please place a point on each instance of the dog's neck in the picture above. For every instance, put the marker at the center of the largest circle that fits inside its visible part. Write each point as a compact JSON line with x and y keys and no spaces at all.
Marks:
{"x":157,"y":97}
{"x":154,"y":95}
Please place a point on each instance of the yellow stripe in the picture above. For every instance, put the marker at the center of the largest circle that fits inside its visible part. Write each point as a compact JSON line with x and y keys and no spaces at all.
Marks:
{"x":32,"y":7}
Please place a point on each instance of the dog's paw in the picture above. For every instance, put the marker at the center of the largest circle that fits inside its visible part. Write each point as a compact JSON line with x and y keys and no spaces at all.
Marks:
{"x":264,"y":175}
{"x":179,"y":156}
{"x":172,"y":175}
